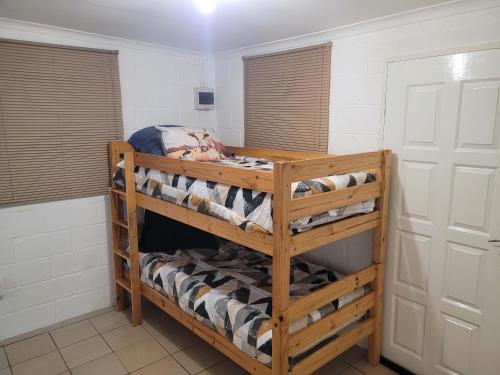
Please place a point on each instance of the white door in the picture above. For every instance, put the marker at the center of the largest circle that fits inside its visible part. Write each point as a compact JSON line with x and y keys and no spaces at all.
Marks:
{"x":442,"y":301}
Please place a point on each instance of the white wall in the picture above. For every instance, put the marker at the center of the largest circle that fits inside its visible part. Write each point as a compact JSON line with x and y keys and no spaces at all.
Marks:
{"x":358,"y":83}
{"x":55,"y":257}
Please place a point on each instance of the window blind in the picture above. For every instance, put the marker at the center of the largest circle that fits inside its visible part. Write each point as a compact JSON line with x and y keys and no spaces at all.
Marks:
{"x":59,"y":108}
{"x":287,"y":98}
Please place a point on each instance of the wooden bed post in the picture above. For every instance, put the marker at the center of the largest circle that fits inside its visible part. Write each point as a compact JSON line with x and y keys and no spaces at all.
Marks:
{"x":281,"y":267}
{"x":378,"y":258}
{"x":135,"y":280}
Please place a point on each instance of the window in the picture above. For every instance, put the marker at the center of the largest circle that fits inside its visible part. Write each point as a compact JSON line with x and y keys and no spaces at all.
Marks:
{"x":59,"y":108}
{"x":287,"y":97}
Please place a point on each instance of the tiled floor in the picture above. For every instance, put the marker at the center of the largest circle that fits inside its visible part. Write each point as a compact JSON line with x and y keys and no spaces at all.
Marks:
{"x":107,"y":344}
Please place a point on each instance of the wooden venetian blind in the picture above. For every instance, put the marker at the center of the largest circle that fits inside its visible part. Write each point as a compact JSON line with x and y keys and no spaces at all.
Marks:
{"x":287,"y":97}
{"x":59,"y":108}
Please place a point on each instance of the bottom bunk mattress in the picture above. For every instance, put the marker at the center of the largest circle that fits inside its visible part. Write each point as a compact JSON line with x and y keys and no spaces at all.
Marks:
{"x":229,"y":291}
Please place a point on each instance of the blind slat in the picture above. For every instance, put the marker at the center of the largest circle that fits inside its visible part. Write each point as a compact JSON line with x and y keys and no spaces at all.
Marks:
{"x":287,"y":98}
{"x":60,"y":107}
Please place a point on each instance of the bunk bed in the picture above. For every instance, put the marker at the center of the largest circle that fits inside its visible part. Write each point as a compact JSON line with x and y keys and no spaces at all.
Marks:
{"x":296,"y":348}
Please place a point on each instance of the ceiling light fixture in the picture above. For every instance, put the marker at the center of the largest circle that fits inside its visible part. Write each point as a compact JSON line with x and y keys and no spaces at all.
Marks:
{"x":205,"y":6}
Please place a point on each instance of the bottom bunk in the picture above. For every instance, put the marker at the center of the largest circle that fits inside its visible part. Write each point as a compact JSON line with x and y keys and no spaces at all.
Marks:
{"x":225,"y":297}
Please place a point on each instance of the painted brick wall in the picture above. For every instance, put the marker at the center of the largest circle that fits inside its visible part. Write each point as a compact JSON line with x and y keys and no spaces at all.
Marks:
{"x":55,"y":257}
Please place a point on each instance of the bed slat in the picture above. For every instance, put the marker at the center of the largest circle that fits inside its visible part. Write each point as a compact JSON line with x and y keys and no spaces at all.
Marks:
{"x":331,"y":292}
{"x":327,"y":233}
{"x":333,"y":349}
{"x":332,"y":165}
{"x":318,"y":203}
{"x":317,"y":330}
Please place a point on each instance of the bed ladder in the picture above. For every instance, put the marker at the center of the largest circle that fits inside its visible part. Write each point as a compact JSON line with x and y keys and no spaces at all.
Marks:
{"x":124,"y":231}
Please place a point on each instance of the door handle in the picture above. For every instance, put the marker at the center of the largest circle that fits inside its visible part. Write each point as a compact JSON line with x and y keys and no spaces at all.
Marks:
{"x":494,"y":241}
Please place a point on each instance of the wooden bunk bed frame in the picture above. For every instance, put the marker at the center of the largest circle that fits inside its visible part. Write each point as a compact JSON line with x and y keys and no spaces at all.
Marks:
{"x":288,"y":167}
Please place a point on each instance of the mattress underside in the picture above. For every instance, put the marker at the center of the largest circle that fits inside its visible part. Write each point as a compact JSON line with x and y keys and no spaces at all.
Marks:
{"x":251,"y":210}
{"x":229,"y":291}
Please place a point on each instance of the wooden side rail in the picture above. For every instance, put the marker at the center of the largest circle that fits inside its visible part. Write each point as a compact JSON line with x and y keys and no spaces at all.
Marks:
{"x":314,"y":332}
{"x":273,"y":154}
{"x":319,"y":203}
{"x":313,"y":238}
{"x":245,"y":178}
{"x":257,"y":241}
{"x":333,"y":349}
{"x":332,"y":165}
{"x":331,"y":292}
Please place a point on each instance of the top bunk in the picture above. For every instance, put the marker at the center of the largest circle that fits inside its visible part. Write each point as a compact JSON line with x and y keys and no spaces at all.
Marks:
{"x":287,"y":207}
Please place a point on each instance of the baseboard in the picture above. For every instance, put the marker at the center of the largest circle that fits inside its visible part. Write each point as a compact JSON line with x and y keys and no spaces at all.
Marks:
{"x":57,"y":325}
{"x":395,"y":367}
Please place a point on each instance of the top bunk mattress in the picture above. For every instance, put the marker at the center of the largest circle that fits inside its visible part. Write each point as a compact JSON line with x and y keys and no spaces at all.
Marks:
{"x":248,"y":209}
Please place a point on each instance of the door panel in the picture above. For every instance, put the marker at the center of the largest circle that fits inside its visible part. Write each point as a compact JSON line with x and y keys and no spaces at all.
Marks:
{"x":442,"y":301}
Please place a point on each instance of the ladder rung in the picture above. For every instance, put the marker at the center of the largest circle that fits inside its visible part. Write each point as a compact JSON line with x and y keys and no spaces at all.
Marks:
{"x":124,"y":283}
{"x":117,"y":191}
{"x":122,"y":253}
{"x":120,"y":223}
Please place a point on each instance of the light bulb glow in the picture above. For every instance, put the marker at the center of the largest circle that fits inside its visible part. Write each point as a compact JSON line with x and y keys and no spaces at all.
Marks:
{"x":205,"y":6}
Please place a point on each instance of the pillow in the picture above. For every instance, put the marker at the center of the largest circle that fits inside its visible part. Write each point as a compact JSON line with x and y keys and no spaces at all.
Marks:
{"x":191,"y":144}
{"x":162,"y":234}
{"x":147,"y":141}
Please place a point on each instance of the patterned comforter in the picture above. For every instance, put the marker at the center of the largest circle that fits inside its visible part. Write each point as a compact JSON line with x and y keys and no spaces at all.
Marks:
{"x":251,"y":210}
{"x":229,"y":291}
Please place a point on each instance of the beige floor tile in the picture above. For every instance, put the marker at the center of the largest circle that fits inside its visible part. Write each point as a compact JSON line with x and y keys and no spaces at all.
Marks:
{"x":47,"y":364}
{"x":3,"y":359}
{"x":141,"y":354}
{"x":198,"y":357}
{"x":368,"y":369}
{"x":164,"y":366}
{"x":85,"y":351}
{"x":29,"y":348}
{"x":108,"y":365}
{"x":332,"y":368}
{"x":160,"y":322}
{"x":73,"y":333}
{"x":351,"y":371}
{"x":5,"y":371}
{"x":111,"y":320}
{"x":177,"y":338}
{"x":124,"y":336}
{"x":226,"y":367}
{"x":353,"y":355}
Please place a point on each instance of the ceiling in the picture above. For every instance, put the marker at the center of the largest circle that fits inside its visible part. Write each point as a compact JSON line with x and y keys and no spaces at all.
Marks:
{"x":178,"y":23}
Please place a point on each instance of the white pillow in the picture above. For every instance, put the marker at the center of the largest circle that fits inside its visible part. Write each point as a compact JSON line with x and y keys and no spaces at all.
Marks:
{"x":191,"y":143}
